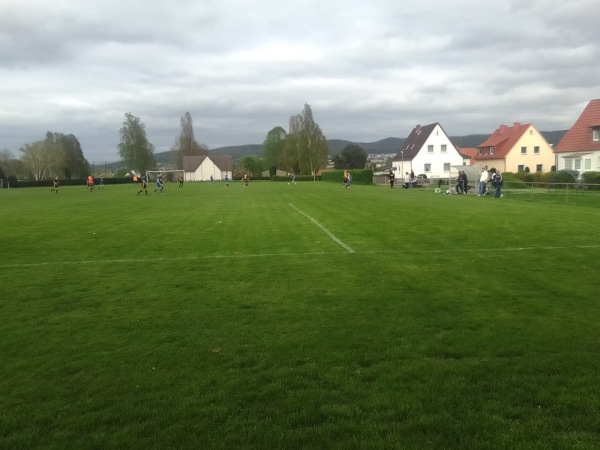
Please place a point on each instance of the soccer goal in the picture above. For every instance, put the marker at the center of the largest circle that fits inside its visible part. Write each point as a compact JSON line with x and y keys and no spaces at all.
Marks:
{"x":167,"y":175}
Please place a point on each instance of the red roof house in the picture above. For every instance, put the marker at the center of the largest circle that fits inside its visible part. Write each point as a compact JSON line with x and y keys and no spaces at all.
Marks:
{"x":515,"y":148}
{"x":579,"y":149}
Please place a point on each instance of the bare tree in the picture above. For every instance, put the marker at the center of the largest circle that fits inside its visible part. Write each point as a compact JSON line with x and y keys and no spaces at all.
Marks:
{"x":42,"y":159}
{"x":186,"y":144}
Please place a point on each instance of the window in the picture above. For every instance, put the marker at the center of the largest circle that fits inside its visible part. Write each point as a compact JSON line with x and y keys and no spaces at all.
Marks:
{"x":491,"y":150}
{"x":536,"y":150}
{"x":480,"y":151}
{"x":430,"y":148}
{"x":523,"y":150}
{"x":578,"y":164}
{"x":446,"y":167}
{"x":520,"y":168}
{"x":596,"y":134}
{"x":427,"y":167}
{"x":444,"y":148}
{"x":538,"y":168}
{"x":587,"y":164}
{"x":568,"y":163}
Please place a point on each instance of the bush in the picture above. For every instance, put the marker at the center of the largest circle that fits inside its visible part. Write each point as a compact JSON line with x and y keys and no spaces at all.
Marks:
{"x":359,"y":176}
{"x":592,"y":178}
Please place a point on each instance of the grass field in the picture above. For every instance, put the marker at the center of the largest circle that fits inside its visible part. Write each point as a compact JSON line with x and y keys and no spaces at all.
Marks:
{"x":303,"y":316}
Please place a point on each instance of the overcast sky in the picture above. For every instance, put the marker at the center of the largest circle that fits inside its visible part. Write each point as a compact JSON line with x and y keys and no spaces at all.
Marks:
{"x":369,"y":69}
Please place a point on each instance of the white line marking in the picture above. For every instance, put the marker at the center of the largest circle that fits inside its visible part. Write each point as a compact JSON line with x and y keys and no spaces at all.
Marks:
{"x":329,"y":233}
{"x":272,"y":255}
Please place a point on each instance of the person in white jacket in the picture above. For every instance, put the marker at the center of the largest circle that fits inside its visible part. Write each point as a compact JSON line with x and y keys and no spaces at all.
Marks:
{"x":483,"y":180}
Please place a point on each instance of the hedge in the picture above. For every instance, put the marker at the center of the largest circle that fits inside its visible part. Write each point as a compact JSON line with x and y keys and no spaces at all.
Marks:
{"x":359,"y":176}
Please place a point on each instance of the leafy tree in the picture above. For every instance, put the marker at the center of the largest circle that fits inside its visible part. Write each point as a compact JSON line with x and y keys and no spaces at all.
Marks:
{"x":306,"y":149}
{"x":253,"y":165}
{"x":74,"y":163}
{"x":353,"y":157}
{"x":273,"y":147}
{"x":134,"y":149}
{"x":186,"y":144}
{"x":6,"y":157}
{"x":42,"y":159}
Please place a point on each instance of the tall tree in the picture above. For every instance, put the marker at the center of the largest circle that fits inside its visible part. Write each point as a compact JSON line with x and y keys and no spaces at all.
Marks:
{"x":316,"y":150}
{"x":306,"y":149}
{"x":293,"y":145}
{"x":186,"y":144}
{"x":6,"y":157}
{"x":74,"y":164}
{"x":42,"y":159}
{"x":134,"y":149}
{"x":273,"y":147}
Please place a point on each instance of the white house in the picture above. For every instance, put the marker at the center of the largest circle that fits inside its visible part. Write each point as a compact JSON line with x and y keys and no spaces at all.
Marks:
{"x":200,"y":168}
{"x":427,"y":150}
{"x":579,"y":149}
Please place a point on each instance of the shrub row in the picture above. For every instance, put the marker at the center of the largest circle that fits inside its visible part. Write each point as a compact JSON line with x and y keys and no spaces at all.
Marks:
{"x":359,"y":176}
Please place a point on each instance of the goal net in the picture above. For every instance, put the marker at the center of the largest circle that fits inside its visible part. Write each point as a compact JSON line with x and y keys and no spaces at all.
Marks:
{"x":167,"y":175}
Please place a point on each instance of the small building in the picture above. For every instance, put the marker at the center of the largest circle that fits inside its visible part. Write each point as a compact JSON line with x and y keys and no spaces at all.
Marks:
{"x":579,"y":149}
{"x":517,"y":148}
{"x":427,"y":150}
{"x":202,"y":167}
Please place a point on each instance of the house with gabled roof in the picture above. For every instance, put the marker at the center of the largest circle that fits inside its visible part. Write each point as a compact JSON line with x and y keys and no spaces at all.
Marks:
{"x":579,"y":149}
{"x":202,"y":167}
{"x":517,"y":148}
{"x":427,"y":150}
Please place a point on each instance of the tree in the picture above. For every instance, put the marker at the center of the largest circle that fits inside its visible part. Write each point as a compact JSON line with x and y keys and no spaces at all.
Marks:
{"x":273,"y":147}
{"x":352,"y":157}
{"x":306,"y":149}
{"x":316,"y":151}
{"x":186,"y":144}
{"x":6,"y":157}
{"x":253,"y":165}
{"x":74,"y":163}
{"x":42,"y":159}
{"x":134,"y":149}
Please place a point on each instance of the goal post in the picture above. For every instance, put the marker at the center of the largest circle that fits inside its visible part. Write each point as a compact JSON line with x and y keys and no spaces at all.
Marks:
{"x":167,"y":175}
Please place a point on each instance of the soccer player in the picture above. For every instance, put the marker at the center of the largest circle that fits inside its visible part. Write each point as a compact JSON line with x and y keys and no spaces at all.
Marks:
{"x":245,"y":179}
{"x":143,"y":186}
{"x":180,"y":181}
{"x":90,"y":183}
{"x":226,"y":181}
{"x":159,"y":184}
{"x":101,"y":183}
{"x":54,"y":185}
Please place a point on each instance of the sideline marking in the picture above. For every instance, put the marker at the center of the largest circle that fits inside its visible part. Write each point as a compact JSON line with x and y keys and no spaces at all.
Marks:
{"x":329,"y":233}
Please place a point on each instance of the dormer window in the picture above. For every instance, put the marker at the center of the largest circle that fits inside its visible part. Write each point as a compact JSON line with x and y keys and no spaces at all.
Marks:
{"x":596,"y":134}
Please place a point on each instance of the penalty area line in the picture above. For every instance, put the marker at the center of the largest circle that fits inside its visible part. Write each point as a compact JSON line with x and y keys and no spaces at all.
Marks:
{"x":329,"y":233}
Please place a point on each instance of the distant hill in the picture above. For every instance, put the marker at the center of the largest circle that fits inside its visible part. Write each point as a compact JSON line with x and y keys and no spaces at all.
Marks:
{"x":383,"y":146}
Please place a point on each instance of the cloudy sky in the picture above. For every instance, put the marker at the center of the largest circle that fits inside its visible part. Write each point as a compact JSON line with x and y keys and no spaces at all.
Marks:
{"x":369,"y":69}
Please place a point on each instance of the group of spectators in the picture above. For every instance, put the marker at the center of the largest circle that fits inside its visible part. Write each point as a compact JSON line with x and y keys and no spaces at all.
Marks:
{"x":409,"y":179}
{"x":482,"y":189}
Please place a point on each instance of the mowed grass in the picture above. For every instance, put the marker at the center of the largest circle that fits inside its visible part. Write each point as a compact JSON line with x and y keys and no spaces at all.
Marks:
{"x":302,"y":316}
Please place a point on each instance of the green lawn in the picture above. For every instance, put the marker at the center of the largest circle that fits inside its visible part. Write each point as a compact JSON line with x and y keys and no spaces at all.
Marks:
{"x":297,"y":316}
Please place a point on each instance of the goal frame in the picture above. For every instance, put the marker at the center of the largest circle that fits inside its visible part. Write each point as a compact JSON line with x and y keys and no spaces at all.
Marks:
{"x":152,"y":179}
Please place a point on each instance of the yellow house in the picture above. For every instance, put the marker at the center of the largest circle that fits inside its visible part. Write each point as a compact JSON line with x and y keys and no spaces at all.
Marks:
{"x":516,"y":149}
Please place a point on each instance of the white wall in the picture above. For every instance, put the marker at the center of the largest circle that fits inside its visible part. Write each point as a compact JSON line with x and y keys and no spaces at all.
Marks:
{"x":437,"y":158}
{"x":583,"y":161}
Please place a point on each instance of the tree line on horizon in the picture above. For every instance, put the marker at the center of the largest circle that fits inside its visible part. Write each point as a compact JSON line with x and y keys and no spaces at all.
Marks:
{"x":302,"y":150}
